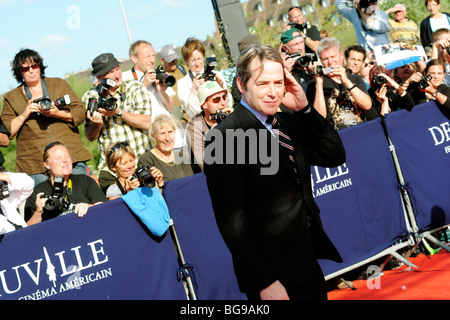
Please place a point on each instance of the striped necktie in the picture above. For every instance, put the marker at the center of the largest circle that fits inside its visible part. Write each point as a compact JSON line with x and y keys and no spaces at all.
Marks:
{"x":283,"y":139}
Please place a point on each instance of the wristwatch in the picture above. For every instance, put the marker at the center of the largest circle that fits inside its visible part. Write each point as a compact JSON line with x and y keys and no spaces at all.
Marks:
{"x":120,"y":113}
{"x":435,"y":94}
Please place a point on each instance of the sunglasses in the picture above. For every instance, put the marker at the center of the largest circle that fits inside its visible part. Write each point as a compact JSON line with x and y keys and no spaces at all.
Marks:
{"x":117,"y":146}
{"x":217,"y":99}
{"x":34,"y":66}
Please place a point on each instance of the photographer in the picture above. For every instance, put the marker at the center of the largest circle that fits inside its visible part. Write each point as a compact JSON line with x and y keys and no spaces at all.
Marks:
{"x":296,"y":60}
{"x":34,"y":125}
{"x":441,"y":50}
{"x":67,"y":192}
{"x":386,"y":94}
{"x":122,"y":160}
{"x":212,"y":98}
{"x":143,"y":57}
{"x":339,"y":97}
{"x":128,"y":117}
{"x":432,"y":85}
{"x":193,"y":53}
{"x":310,"y":33}
{"x":15,"y":188}
{"x":370,"y":23}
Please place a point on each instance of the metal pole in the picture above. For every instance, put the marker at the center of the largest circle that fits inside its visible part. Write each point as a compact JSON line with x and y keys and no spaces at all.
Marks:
{"x":181,"y":260}
{"x":126,"y":22}
{"x":225,"y":43}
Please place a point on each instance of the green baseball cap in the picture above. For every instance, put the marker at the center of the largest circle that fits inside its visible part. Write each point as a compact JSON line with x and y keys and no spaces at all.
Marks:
{"x":290,"y":34}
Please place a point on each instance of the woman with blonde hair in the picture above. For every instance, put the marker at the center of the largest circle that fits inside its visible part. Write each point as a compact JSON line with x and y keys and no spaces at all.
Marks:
{"x":121,"y":159}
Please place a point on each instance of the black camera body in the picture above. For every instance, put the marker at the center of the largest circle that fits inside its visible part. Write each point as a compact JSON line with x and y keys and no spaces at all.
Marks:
{"x":4,"y":191}
{"x":218,"y":116}
{"x":378,"y":80}
{"x":300,"y":26}
{"x":101,"y":102}
{"x":164,"y":77}
{"x":304,"y":60}
{"x":423,"y":83}
{"x":210,"y":64}
{"x":363,"y":4}
{"x":56,"y":201}
{"x":144,"y":176}
{"x":44,"y":102}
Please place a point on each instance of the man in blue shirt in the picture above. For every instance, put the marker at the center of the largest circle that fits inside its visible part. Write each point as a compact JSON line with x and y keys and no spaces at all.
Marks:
{"x":371,"y":24}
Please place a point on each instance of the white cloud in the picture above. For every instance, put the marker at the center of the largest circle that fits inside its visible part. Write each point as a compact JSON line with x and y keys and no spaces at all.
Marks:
{"x":52,"y":40}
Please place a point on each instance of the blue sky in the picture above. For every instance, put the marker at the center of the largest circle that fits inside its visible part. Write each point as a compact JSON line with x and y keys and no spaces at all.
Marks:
{"x":70,"y":34}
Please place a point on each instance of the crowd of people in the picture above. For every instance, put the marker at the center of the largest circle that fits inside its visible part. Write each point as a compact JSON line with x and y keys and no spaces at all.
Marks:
{"x":155,"y":120}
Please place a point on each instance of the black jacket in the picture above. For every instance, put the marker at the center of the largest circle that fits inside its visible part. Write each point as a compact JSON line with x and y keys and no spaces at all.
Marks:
{"x":264,"y":218}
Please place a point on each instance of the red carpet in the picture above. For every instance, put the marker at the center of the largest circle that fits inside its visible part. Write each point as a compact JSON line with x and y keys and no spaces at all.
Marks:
{"x":431,"y":281}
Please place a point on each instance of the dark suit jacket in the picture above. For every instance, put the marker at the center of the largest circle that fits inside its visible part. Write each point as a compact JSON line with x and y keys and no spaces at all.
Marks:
{"x":264,"y":219}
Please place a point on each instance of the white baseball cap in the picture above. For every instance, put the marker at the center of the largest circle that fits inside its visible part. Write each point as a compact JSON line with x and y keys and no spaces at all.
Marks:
{"x":208,"y":89}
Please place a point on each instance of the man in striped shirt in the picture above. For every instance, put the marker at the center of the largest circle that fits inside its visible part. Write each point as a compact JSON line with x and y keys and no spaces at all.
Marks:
{"x":129,"y":119}
{"x":401,"y":28}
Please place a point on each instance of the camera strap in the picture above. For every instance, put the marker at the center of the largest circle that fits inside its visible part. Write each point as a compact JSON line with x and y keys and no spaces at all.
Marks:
{"x":44,"y":89}
{"x":16,"y":226}
{"x":133,"y":71}
{"x":124,"y":192}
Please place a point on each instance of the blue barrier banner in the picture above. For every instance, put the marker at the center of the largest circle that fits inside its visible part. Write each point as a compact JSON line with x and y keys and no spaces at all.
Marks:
{"x":108,"y":254}
{"x":201,"y":243}
{"x":422,"y":141}
{"x":360,"y":204}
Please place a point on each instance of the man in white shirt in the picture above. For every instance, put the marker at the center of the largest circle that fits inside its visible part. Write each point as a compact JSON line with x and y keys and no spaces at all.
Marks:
{"x":20,"y":186}
{"x":143,"y":57}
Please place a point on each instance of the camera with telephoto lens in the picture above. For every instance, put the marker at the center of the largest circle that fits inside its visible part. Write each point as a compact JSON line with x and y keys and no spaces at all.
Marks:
{"x":218,"y":116}
{"x":63,"y":101}
{"x":4,"y":191}
{"x":423,"y":83}
{"x":210,"y":64}
{"x":56,"y":201}
{"x":144,"y":176}
{"x":378,"y":80}
{"x":304,"y":60}
{"x":300,"y":26}
{"x":44,"y":102}
{"x":101,"y":102}
{"x":164,"y":77}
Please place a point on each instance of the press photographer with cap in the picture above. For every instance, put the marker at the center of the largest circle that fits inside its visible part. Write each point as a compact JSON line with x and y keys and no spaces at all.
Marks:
{"x":169,"y":59}
{"x":296,"y":61}
{"x":212,"y":98}
{"x":123,"y":115}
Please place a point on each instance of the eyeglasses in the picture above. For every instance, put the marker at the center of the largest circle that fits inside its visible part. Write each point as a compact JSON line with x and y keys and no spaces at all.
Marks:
{"x":217,"y":99}
{"x":34,"y":66}
{"x":117,"y":146}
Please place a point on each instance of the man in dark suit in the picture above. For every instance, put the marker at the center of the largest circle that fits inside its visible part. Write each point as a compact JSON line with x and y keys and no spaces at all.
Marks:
{"x":268,"y":218}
